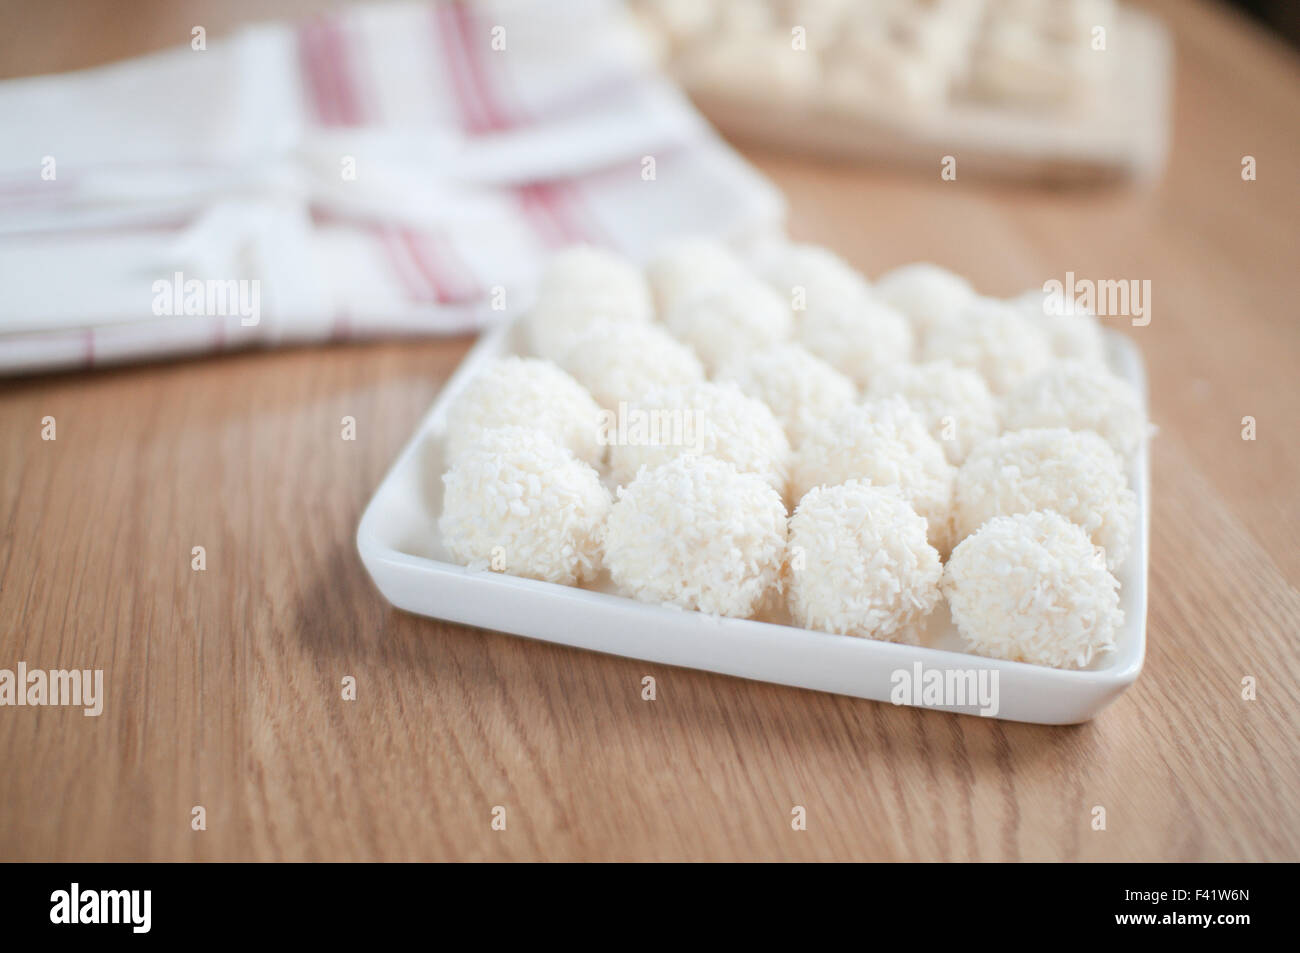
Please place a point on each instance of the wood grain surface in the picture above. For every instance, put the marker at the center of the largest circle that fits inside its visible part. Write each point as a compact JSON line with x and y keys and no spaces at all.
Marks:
{"x":223,"y":686}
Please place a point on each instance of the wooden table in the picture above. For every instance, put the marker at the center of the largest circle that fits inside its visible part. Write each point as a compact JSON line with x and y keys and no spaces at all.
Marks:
{"x":223,"y":686}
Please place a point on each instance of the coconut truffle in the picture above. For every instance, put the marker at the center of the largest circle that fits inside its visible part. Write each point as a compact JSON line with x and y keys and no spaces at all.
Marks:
{"x":698,"y":534}
{"x":714,"y":419}
{"x":619,"y":361}
{"x":860,"y":564}
{"x":954,"y":402}
{"x":838,"y":318}
{"x":930,"y":296}
{"x":523,"y":391}
{"x":885,"y":442}
{"x":579,"y":285}
{"x":1075,"y":473}
{"x":686,"y":266}
{"x":757,"y":61}
{"x":518,"y":502}
{"x":992,"y":338}
{"x":1071,"y":332}
{"x":800,"y":389}
{"x":1033,"y":588}
{"x":1081,"y":397}
{"x":816,"y":274}
{"x":856,"y":334}
{"x":592,"y":273}
{"x":873,"y":74}
{"x":720,"y":318}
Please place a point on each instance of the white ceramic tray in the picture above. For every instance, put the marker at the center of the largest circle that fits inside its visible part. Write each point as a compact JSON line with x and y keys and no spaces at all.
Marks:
{"x":399,"y":544}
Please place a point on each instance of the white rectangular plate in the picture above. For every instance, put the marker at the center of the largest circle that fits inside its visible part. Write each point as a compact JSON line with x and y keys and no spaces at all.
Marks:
{"x":400,"y":546}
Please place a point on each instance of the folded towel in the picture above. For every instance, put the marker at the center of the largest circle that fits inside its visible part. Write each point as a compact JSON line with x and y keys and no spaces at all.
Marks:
{"x":390,"y":169}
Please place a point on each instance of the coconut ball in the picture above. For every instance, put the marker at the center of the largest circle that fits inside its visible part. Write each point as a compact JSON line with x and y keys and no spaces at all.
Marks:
{"x":525,"y":391}
{"x":718,"y":319}
{"x":619,"y":361}
{"x":683,"y":20}
{"x":992,"y":338}
{"x":714,"y":419}
{"x":857,"y":334}
{"x":954,"y":402}
{"x":800,"y":389}
{"x":1081,"y":397}
{"x":744,"y":18}
{"x":929,"y":295}
{"x":837,"y":316}
{"x":860,"y":564}
{"x":518,"y":502}
{"x":760,"y":62}
{"x":592,"y":273}
{"x":579,"y":285}
{"x":885,"y":442}
{"x":823,"y":277}
{"x":1071,"y":332}
{"x":686,"y":266}
{"x":1033,"y":588}
{"x":875,"y":74}
{"x":1075,"y":473}
{"x":697,"y":533}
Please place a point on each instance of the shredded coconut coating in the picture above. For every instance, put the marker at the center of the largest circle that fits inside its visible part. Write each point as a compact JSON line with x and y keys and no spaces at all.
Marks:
{"x":930,"y":296}
{"x":837,"y":316}
{"x":714,"y":419}
{"x":698,"y":534}
{"x":1081,"y":397}
{"x":586,"y":272}
{"x":1074,"y":473}
{"x":954,"y":402}
{"x":992,"y":338}
{"x":618,"y":361}
{"x":580,"y":285}
{"x":720,"y":318}
{"x":686,"y":266}
{"x":1073,"y":336}
{"x":824,"y":278}
{"x":1033,"y":588}
{"x":871,"y":75}
{"x":517,"y":502}
{"x":857,"y":334}
{"x":757,"y":60}
{"x":885,"y":442}
{"x":799,"y":388}
{"x":523,"y":391}
{"x":860,"y":564}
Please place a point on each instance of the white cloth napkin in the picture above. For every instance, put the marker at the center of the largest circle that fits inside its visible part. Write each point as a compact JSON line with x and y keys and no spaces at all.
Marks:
{"x":482,"y":136}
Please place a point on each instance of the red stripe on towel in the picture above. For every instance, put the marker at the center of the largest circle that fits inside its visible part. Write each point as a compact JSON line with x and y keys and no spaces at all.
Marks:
{"x":405,"y":246}
{"x":554,"y":209}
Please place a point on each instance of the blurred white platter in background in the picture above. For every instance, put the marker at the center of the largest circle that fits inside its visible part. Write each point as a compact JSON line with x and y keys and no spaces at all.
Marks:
{"x":1124,"y":134}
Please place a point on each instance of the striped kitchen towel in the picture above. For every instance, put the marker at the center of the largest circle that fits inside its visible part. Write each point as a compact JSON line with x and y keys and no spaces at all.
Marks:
{"x":388,"y":169}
